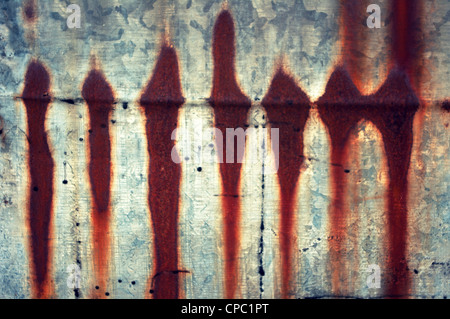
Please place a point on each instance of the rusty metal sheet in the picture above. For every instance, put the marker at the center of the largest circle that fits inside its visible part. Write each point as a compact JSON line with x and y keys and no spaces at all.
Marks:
{"x":111,"y":114}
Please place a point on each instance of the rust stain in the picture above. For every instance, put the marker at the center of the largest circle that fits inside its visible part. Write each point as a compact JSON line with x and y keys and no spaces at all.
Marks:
{"x":161,"y":100}
{"x":36,"y":98}
{"x":340,"y":109}
{"x":392,"y":109}
{"x":354,"y":35}
{"x":231,"y":109}
{"x":287,"y":108}
{"x":99,"y":97}
{"x":30,"y":11}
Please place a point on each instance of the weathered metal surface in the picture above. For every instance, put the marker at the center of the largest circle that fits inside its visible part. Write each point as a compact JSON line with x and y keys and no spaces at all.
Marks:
{"x":123,"y":39}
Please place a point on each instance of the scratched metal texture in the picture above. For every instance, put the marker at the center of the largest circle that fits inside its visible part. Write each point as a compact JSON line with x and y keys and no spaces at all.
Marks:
{"x":125,"y":36}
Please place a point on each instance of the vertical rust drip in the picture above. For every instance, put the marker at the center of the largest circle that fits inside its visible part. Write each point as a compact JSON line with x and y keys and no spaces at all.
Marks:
{"x":341,"y":109}
{"x":287,"y":108}
{"x":392,"y":109}
{"x":354,"y":34}
{"x":41,"y":168}
{"x":100,"y":98}
{"x":161,"y":100}
{"x":231,"y":108}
